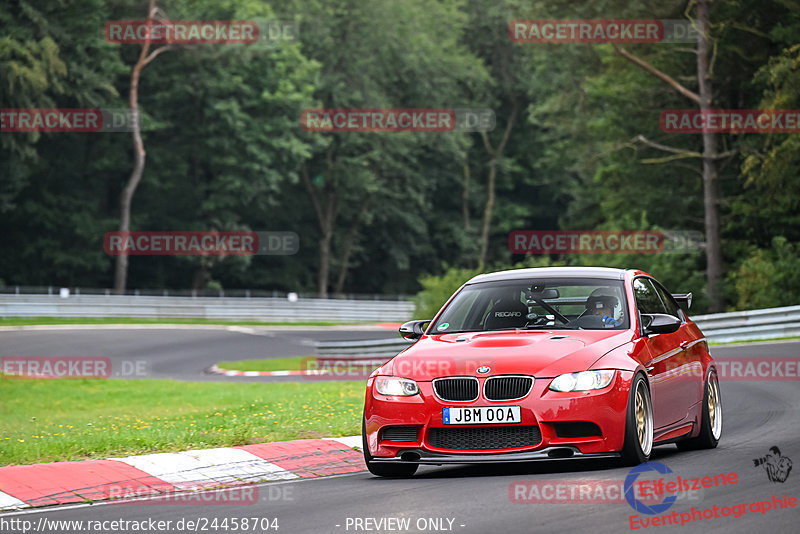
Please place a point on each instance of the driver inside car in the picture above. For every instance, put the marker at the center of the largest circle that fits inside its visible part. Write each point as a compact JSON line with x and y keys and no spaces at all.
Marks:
{"x":602,"y":303}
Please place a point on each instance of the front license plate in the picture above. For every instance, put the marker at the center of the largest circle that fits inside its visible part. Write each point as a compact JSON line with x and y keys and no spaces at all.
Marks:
{"x":481,"y":415}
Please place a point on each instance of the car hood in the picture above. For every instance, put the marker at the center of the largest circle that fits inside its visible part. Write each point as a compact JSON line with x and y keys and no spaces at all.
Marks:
{"x":541,"y":353}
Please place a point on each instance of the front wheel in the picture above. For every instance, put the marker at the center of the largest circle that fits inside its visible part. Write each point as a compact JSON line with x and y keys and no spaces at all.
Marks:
{"x":710,"y":420}
{"x":380,"y":469}
{"x":638,"y":424}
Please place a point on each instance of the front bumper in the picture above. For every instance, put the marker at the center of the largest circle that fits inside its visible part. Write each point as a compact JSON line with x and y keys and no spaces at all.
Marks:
{"x":541,"y":407}
{"x":421,"y":456}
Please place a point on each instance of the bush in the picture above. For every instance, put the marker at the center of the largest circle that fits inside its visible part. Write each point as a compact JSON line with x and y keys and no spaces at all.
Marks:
{"x":769,"y":278}
{"x":437,"y":289}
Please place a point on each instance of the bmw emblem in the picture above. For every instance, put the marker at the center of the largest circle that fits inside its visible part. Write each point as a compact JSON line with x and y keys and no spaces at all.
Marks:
{"x":483,"y":369}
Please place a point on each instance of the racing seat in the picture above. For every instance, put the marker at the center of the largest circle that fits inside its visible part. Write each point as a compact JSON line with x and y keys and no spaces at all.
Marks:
{"x":506,"y":314}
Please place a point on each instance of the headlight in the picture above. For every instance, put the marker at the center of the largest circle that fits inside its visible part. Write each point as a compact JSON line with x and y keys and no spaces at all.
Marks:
{"x":395,"y":386}
{"x":583,"y":381}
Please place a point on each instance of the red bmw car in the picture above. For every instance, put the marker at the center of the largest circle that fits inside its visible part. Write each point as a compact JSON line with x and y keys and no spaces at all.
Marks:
{"x":545,"y":364}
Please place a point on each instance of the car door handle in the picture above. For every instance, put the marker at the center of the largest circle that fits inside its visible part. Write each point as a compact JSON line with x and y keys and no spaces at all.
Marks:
{"x":684,"y":345}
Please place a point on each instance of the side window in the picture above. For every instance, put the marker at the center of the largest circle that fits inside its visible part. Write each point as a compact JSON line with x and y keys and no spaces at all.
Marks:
{"x":647,"y":300}
{"x":669,"y":302}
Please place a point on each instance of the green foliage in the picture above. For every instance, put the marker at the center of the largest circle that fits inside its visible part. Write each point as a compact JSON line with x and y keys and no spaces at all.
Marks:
{"x":771,"y":168}
{"x":225,"y":149}
{"x":769,"y":278}
{"x":437,"y":289}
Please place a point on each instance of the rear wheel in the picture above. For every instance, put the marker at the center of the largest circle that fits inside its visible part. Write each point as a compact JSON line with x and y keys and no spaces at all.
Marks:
{"x":638,"y":424}
{"x":710,"y":420}
{"x":381,"y":469}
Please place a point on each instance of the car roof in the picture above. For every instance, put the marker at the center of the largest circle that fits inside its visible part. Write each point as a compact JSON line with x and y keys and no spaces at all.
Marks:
{"x":607,"y":273}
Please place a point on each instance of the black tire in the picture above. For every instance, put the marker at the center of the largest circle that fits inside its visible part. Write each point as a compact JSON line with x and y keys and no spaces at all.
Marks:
{"x":710,"y":431}
{"x":381,"y":469}
{"x":638,"y":423}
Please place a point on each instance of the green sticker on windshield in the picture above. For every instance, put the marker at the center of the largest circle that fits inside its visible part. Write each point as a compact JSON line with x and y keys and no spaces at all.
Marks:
{"x":443,"y":326}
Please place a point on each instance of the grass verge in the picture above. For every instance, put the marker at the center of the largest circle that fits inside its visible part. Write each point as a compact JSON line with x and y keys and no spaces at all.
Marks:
{"x":32,"y":321}
{"x":340,"y":368}
{"x":58,"y":420}
{"x":271,"y":364}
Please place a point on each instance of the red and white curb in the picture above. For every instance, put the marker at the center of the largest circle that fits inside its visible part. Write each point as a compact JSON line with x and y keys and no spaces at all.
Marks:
{"x":25,"y":486}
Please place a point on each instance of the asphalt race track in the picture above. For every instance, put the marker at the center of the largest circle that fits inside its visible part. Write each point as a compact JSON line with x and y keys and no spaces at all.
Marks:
{"x":183,"y":353}
{"x":758,"y":414}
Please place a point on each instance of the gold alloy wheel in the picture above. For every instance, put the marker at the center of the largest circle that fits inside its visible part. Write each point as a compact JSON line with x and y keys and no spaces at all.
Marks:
{"x":644,"y":419}
{"x":714,"y":407}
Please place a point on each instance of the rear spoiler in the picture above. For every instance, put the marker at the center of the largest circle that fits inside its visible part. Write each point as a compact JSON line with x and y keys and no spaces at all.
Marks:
{"x":684,"y":299}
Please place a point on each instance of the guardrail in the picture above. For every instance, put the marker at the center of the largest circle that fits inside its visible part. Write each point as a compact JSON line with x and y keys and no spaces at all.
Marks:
{"x":255,"y":309}
{"x":194,"y":293}
{"x":770,"y":323}
{"x":357,"y":349}
{"x":718,"y":327}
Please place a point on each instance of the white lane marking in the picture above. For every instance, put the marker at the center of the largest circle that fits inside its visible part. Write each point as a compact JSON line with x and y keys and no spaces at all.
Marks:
{"x":7,"y":502}
{"x":354,"y":442}
{"x":209,"y":467}
{"x":214,"y":369}
{"x":249,"y":331}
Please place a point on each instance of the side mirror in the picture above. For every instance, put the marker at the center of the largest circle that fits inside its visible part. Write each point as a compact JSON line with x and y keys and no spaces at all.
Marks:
{"x":413,"y":329}
{"x":660,"y":323}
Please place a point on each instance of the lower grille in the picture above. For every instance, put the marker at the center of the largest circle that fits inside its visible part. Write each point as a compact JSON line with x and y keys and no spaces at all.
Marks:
{"x":400,"y":433}
{"x":502,"y":437}
{"x":456,"y":389}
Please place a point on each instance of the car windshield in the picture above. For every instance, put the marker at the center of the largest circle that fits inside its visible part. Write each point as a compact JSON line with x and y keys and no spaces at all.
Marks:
{"x":590,"y":304}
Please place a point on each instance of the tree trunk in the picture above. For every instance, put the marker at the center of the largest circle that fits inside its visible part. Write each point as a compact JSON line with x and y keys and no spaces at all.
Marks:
{"x":326,"y":217}
{"x":487,"y":212}
{"x":324,"y":264}
{"x":703,"y":98}
{"x":349,"y":243}
{"x":494,"y":154}
{"x":710,"y":177}
{"x":126,"y":198}
{"x":201,"y":276}
{"x":465,"y":193}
